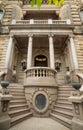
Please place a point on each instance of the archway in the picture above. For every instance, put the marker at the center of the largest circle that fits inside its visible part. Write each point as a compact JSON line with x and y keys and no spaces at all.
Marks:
{"x":40,"y":60}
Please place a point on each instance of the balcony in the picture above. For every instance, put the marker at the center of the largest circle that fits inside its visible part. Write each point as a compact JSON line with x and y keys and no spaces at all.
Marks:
{"x":40,"y":76}
{"x":41,"y":22}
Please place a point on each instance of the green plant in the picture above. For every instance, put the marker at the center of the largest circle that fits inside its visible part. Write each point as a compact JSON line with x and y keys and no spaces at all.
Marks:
{"x":39,"y":2}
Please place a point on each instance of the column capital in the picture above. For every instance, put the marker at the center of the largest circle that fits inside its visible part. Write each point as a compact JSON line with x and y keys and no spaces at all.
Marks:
{"x":11,"y":35}
{"x":71,"y":36}
{"x":50,"y":35}
{"x":30,"y":35}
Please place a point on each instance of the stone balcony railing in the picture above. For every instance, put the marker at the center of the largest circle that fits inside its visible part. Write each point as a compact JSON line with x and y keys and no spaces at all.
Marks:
{"x":41,"y":22}
{"x":44,"y":76}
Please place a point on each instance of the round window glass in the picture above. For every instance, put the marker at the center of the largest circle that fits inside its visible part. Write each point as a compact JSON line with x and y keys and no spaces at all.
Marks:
{"x":40,"y":101}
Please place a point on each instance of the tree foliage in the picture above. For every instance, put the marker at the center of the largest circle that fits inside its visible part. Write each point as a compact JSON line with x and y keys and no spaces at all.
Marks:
{"x":39,"y":2}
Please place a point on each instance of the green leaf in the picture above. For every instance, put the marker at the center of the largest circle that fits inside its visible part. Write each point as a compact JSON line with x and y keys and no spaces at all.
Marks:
{"x":32,"y":2}
{"x":38,"y":3}
{"x":58,"y":2}
{"x":50,"y":1}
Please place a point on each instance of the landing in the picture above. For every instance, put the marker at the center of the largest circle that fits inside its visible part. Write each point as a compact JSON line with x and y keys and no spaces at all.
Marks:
{"x":39,"y":124}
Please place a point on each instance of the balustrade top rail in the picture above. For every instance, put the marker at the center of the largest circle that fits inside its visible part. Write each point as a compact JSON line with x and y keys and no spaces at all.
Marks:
{"x":49,"y":21}
{"x":40,"y":72}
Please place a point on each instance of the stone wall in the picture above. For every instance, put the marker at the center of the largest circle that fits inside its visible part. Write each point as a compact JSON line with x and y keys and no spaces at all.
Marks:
{"x":50,"y":94}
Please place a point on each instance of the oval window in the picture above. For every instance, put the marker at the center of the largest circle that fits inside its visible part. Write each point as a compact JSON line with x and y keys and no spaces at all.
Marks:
{"x":40,"y":101}
{"x":1,"y":14}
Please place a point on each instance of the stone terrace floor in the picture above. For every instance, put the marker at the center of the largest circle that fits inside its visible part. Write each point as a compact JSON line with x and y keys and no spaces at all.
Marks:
{"x":39,"y":124}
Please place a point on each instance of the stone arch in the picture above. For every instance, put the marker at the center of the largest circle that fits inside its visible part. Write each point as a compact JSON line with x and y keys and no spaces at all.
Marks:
{"x":41,"y":60}
{"x":40,"y":51}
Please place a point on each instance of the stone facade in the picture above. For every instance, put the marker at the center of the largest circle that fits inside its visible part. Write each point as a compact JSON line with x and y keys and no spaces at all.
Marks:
{"x":49,"y":40}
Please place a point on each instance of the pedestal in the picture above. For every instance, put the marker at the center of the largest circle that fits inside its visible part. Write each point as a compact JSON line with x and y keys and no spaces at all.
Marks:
{"x":4,"y":107}
{"x":77,"y":100}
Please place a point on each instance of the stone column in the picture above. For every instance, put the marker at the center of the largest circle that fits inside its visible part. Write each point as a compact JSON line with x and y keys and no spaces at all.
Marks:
{"x":8,"y":55}
{"x":73,"y":52}
{"x":29,"y":54}
{"x":51,"y":52}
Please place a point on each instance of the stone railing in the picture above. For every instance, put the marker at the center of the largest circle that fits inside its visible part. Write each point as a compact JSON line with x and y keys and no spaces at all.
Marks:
{"x":38,"y":75}
{"x":40,"y":72}
{"x":49,"y":21}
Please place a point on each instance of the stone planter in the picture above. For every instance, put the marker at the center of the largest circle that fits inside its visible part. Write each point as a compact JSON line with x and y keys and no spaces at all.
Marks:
{"x":76,"y":85}
{"x":4,"y":84}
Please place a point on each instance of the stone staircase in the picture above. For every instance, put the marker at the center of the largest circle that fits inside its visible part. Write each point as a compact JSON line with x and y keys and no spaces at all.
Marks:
{"x":62,"y":111}
{"x":60,"y":76}
{"x":8,"y":15}
{"x":3,"y":49}
{"x":18,"y":109}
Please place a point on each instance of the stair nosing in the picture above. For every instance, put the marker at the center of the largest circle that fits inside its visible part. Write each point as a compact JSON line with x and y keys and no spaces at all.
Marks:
{"x":20,"y":117}
{"x":68,"y":121}
{"x":63,"y":112}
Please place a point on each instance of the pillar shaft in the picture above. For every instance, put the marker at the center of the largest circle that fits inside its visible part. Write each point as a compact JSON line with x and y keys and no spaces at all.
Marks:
{"x":29,"y":54}
{"x":73,"y":52}
{"x":51,"y":52}
{"x":9,"y":49}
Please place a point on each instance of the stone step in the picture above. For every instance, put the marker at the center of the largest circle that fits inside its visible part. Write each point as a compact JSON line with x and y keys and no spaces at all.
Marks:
{"x":63,"y":98}
{"x":15,"y":102}
{"x":63,"y":113}
{"x":66,"y":103}
{"x":19,"y":97}
{"x":20,"y":118}
{"x":17,"y":93}
{"x":66,"y":89}
{"x":63,"y":95}
{"x":16,"y":85}
{"x":18,"y":112}
{"x":17,"y":107}
{"x":63,"y":120}
{"x":16,"y":90}
{"x":62,"y":107}
{"x":64,"y":92}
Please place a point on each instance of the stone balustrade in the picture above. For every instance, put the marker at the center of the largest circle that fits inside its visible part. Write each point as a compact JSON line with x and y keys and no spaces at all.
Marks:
{"x":49,"y":21}
{"x":40,"y":72}
{"x":36,"y":75}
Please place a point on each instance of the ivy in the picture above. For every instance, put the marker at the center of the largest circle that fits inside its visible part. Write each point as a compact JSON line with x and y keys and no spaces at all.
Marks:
{"x":39,"y":2}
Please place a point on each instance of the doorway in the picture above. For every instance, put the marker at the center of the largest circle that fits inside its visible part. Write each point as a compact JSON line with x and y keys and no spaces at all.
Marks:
{"x":40,"y":60}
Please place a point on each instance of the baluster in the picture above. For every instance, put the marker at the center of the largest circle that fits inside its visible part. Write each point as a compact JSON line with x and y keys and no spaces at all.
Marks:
{"x":40,"y":72}
{"x":45,"y":73}
{"x":34,"y":73}
{"x":37,"y":72}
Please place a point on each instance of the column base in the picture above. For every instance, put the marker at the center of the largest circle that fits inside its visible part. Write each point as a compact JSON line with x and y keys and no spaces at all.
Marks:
{"x":5,"y":122}
{"x":77,"y":124}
